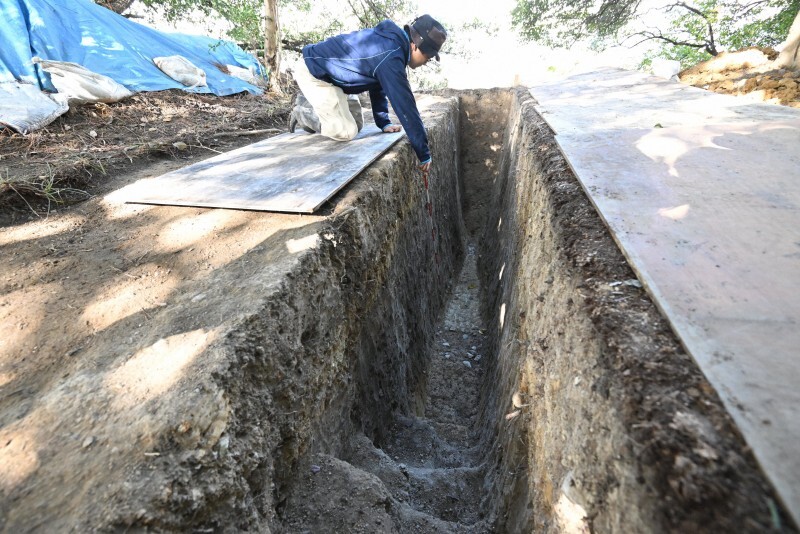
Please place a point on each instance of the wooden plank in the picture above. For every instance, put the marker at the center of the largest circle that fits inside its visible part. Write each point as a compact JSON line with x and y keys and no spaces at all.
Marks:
{"x":709,"y":218}
{"x":293,"y":173}
{"x":594,"y":102}
{"x":707,"y":211}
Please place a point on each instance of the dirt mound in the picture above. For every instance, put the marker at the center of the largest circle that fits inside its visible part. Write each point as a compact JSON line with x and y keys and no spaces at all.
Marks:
{"x":749,"y":72}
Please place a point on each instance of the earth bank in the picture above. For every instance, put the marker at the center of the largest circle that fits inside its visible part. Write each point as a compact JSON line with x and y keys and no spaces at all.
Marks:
{"x":178,"y":369}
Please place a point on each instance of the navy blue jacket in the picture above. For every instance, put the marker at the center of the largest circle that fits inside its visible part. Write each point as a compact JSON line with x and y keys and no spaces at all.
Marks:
{"x":373,"y":60}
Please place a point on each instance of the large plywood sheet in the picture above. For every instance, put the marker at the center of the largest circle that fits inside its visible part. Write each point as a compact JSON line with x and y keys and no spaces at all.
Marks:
{"x":287,"y":173}
{"x":707,"y":211}
{"x":619,"y":99}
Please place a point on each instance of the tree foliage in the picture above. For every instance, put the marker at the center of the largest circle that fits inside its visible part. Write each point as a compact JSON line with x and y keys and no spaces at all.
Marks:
{"x":559,"y":23}
{"x":713,"y":26}
{"x":688,"y":30}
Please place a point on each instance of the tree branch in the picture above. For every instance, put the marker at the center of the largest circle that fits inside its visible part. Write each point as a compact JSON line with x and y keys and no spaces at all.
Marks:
{"x":649,"y":36}
{"x":709,"y":45}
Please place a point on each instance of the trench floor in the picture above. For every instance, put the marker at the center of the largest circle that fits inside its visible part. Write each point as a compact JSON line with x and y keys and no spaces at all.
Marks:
{"x":428,"y":477}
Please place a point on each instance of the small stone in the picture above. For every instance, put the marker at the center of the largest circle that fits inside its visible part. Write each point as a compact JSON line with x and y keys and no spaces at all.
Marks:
{"x":469,"y":365}
{"x":465,"y":336}
{"x":446,"y":355}
{"x":88,"y":442}
{"x":224,"y":444}
{"x":474,"y":347}
{"x":315,"y":469}
{"x":478,"y":358}
{"x":445,"y":344}
{"x":92,"y":133}
{"x":577,"y":380}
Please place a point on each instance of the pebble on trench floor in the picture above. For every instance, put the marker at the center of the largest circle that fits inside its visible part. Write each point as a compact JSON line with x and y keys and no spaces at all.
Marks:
{"x":465,"y":362}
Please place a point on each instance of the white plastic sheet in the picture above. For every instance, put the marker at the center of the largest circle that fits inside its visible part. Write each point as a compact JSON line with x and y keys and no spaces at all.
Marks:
{"x":181,"y":70}
{"x":24,"y":108}
{"x":80,"y":85}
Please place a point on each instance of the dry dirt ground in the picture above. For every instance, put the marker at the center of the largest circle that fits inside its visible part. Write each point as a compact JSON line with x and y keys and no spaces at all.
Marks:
{"x":747,"y":73}
{"x":84,"y":153}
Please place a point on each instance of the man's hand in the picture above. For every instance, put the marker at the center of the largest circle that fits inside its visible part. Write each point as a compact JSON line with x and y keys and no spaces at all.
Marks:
{"x":425,"y":167}
{"x":391,"y":128}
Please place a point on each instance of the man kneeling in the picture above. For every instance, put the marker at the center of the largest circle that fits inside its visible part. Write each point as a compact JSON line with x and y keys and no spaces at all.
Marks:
{"x":333,"y":72}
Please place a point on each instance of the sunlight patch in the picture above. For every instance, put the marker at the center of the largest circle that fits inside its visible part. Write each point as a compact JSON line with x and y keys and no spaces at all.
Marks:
{"x":18,"y":458}
{"x":154,"y":370}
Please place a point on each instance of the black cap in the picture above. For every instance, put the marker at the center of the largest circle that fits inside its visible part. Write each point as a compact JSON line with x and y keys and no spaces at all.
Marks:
{"x":427,"y":34}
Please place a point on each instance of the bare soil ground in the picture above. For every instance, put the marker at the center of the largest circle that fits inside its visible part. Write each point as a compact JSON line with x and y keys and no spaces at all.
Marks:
{"x":79,"y":154}
{"x":748,"y":73}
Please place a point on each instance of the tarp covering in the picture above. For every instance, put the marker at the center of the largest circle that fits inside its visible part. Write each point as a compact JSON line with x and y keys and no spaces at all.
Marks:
{"x":90,"y":35}
{"x":82,"y":32}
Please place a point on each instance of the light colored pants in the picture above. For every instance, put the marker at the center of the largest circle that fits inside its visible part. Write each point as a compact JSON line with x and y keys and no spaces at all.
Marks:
{"x":329,"y":102}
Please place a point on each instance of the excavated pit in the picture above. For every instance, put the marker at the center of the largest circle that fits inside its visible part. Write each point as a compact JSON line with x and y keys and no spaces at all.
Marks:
{"x":505,"y":375}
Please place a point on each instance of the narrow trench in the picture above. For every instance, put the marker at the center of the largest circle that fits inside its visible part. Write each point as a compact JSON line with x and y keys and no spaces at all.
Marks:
{"x":428,"y":473}
{"x":437,"y":452}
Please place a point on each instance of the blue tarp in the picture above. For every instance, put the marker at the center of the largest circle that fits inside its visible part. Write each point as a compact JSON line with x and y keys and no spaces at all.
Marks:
{"x":80,"y":31}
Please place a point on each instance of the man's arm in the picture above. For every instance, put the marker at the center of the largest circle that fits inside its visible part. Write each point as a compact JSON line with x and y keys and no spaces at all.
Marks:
{"x":380,"y":107}
{"x":392,"y":77}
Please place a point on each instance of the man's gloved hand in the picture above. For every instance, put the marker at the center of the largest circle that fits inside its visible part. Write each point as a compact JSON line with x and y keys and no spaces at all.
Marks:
{"x":392,"y":128}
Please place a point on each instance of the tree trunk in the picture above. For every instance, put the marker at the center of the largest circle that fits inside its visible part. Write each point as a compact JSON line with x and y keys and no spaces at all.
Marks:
{"x":117,"y":6}
{"x":272,"y":44}
{"x":790,"y":54}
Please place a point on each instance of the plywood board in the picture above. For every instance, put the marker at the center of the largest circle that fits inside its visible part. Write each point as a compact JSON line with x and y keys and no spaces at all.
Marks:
{"x":288,"y":173}
{"x":615,"y":99}
{"x":707,"y":211}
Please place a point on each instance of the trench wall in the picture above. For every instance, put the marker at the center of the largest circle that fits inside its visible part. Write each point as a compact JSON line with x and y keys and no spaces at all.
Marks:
{"x":343,"y":347}
{"x":613,"y":427}
{"x":287,"y":353}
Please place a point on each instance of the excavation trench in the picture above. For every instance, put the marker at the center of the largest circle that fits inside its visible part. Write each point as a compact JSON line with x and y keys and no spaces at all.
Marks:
{"x":494,"y":368}
{"x":537,"y":390}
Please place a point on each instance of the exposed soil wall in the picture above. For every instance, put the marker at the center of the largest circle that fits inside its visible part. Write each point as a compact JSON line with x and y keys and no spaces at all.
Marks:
{"x":189,"y":402}
{"x":614,"y":428}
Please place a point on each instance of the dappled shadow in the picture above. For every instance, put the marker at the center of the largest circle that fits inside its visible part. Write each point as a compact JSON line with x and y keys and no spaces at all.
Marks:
{"x":124,"y":306}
